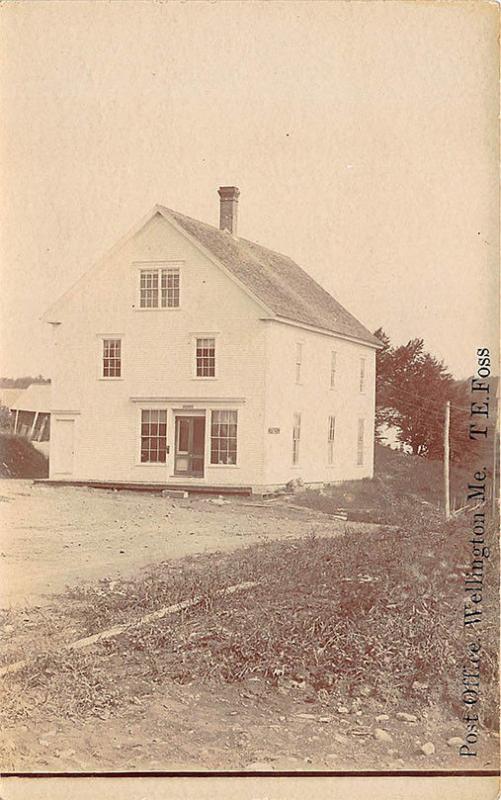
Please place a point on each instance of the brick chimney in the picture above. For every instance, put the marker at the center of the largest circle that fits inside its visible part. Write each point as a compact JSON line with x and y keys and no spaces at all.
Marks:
{"x":228,"y":207}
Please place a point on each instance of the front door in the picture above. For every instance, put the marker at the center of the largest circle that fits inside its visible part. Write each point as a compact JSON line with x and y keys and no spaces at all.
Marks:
{"x":190,"y":446}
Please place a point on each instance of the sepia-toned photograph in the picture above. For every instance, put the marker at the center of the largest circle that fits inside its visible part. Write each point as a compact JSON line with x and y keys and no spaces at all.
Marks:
{"x":249,"y":389}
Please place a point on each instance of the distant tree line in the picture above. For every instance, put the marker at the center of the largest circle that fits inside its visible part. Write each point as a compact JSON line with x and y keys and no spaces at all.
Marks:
{"x":412,"y":388}
{"x":22,"y":383}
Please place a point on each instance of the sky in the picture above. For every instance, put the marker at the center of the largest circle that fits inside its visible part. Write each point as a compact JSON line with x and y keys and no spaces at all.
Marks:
{"x":362,"y":136}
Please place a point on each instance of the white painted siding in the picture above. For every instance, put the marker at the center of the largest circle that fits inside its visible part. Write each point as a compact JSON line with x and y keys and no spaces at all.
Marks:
{"x":256,"y":367}
{"x":314,"y":399}
{"x":158,"y":361}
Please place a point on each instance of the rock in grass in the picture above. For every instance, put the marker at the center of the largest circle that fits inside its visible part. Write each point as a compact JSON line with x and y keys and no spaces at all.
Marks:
{"x":428,"y":748}
{"x":382,"y":718}
{"x":455,"y":741}
{"x":343,"y":710}
{"x":406,"y":717}
{"x":259,"y":766}
{"x":66,"y":753}
{"x":382,"y":736}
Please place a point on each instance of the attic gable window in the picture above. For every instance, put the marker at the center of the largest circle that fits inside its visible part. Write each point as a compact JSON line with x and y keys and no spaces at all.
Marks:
{"x":159,"y":288}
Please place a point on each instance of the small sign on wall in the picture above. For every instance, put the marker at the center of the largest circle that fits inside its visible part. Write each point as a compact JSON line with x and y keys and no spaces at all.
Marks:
{"x":273,"y":430}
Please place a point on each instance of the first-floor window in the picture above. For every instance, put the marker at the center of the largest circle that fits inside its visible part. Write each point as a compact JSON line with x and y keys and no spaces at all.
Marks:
{"x":330,"y":440}
{"x":153,"y":436}
{"x":206,"y":358}
{"x":112,"y":358}
{"x":223,"y":437}
{"x":360,"y":442}
{"x":296,"y":436}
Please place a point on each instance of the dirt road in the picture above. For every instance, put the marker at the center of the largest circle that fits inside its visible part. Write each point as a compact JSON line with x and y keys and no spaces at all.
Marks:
{"x":249,"y":726}
{"x":52,"y":538}
{"x":57,"y":537}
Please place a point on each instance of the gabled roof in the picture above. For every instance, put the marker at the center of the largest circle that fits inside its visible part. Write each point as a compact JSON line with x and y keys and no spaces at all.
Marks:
{"x":285,"y":291}
{"x":275,"y":279}
{"x":36,"y":397}
{"x":9,"y":396}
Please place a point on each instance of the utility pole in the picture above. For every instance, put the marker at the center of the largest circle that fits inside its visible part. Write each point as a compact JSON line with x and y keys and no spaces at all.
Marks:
{"x":447,"y":425}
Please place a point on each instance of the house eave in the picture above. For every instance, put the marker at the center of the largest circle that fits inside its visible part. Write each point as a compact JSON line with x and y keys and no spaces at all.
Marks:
{"x":325,"y":331}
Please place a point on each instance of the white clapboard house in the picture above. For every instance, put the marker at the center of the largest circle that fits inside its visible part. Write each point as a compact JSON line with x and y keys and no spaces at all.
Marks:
{"x":191,"y":357}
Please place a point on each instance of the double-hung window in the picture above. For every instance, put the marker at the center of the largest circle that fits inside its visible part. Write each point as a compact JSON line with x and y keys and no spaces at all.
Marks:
{"x":205,"y":357}
{"x":159,"y":287}
{"x":153,"y":436}
{"x":360,"y":442}
{"x":223,"y":437}
{"x":330,"y":440}
{"x":112,"y":358}
{"x":296,"y":436}
{"x":299,"y":361}
{"x":362,"y":375}
{"x":333,"y":369}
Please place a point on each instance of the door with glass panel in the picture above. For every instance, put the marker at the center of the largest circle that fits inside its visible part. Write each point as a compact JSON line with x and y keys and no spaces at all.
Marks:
{"x":190,"y":446}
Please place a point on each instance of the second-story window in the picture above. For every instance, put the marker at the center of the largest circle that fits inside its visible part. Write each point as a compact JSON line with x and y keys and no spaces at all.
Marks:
{"x":112,"y":358}
{"x":206,"y":357}
{"x":333,"y":369}
{"x":362,"y":375}
{"x":299,"y":361}
{"x":159,"y":288}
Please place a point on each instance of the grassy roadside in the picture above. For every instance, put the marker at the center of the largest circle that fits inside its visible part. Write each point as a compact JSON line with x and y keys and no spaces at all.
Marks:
{"x":374,"y":615}
{"x":19,"y":459}
{"x":400,"y":480}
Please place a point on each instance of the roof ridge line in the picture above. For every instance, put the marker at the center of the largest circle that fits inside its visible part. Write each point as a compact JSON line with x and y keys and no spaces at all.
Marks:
{"x":315,"y":307}
{"x":236,"y":238}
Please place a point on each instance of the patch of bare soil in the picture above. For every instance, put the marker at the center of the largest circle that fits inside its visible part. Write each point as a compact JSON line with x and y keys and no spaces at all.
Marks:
{"x":246,"y":727}
{"x":57,"y":537}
